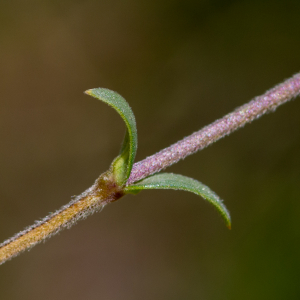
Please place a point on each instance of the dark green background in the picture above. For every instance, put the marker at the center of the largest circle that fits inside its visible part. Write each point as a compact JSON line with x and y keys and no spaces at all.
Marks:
{"x":181,"y":65}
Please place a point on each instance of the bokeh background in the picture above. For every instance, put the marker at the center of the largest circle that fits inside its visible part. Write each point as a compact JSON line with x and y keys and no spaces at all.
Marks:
{"x":181,"y":65}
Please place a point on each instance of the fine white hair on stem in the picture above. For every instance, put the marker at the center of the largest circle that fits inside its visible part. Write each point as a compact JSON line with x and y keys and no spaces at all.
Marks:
{"x":79,"y":208}
{"x":105,"y":191}
{"x":254,"y":109}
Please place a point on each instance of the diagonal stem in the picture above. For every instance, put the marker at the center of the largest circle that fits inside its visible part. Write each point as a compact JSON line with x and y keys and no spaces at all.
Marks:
{"x":260,"y":105}
{"x":104,"y":191}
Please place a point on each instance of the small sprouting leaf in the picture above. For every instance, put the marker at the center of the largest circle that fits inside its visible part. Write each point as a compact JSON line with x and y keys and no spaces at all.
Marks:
{"x":122,"y":165}
{"x":179,"y":182}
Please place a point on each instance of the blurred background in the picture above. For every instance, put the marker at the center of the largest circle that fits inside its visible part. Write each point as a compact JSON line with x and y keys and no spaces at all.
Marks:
{"x":180,"y":65}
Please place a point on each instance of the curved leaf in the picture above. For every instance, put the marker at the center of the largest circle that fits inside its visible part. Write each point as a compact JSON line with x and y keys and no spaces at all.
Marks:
{"x":122,"y":165}
{"x":179,"y":182}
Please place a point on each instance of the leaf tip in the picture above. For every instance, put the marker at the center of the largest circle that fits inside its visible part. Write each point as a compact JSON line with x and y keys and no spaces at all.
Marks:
{"x":89,"y":92}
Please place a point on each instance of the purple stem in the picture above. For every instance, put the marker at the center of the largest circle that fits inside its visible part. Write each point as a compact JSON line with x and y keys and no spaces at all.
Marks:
{"x":198,"y":140}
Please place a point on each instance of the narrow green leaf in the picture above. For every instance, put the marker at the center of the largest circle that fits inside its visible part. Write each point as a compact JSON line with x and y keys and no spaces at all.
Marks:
{"x":179,"y":182}
{"x":122,"y":165}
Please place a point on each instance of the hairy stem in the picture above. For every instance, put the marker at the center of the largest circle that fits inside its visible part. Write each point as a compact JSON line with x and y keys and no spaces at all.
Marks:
{"x":93,"y":199}
{"x":260,"y":105}
{"x":105,"y":189}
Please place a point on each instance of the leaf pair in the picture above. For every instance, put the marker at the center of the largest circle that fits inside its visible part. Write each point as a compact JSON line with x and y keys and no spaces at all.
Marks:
{"x":122,"y":165}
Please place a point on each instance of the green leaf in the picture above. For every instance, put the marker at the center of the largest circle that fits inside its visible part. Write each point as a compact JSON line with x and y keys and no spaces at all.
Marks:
{"x":179,"y":182}
{"x":122,"y":165}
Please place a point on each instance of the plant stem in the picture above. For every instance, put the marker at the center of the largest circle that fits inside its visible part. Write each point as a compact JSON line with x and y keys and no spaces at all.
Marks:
{"x":105,"y":191}
{"x":260,"y":105}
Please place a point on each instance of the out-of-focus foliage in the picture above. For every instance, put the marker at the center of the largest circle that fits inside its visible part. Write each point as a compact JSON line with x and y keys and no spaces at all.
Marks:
{"x":202,"y":58}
